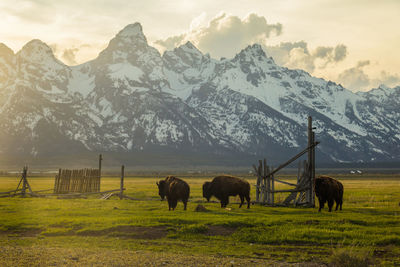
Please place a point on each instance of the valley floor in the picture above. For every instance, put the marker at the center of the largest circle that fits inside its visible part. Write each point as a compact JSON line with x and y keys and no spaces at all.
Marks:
{"x":96,"y":232}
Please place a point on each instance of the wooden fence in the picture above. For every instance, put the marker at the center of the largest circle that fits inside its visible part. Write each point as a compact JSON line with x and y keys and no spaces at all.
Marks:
{"x":265,"y":187}
{"x":77,"y":181}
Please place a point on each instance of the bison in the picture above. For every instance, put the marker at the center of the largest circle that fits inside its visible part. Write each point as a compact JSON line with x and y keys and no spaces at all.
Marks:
{"x":330,"y":190}
{"x":224,"y":186}
{"x":174,"y":189}
{"x":162,"y":185}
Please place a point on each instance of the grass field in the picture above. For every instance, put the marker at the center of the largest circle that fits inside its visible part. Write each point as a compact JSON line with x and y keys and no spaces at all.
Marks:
{"x":80,"y":232}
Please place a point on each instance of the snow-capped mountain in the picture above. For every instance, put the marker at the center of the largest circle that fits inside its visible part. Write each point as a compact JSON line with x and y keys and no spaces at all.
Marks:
{"x":131,"y":99}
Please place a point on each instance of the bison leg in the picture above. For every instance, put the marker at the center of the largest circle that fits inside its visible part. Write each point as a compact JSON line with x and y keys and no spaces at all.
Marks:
{"x":174,"y":204}
{"x":224,"y":201}
{"x":248,"y":201}
{"x":330,"y":204}
{"x":169,"y":204}
{"x":321,"y":204}
{"x":241,"y":201}
{"x":184,"y":204}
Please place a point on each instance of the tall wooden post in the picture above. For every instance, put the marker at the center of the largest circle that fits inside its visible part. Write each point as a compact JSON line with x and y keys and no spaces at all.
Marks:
{"x":272,"y":187}
{"x":265,"y":181}
{"x":100,"y":160}
{"x":309,"y":160}
{"x":24,"y":185}
{"x":313,"y":172}
{"x":258,"y":170}
{"x":121,"y":192}
{"x":268,"y":187}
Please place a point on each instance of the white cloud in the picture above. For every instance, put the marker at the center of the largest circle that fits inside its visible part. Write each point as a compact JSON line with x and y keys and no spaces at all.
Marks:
{"x":69,"y":56}
{"x":225,"y":35}
{"x":297,"y":55}
{"x":357,"y":79}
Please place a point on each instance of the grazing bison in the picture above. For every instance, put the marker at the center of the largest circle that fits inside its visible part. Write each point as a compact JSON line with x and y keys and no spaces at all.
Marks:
{"x":224,"y":186}
{"x":328,"y":189}
{"x":162,"y":185}
{"x":174,"y":189}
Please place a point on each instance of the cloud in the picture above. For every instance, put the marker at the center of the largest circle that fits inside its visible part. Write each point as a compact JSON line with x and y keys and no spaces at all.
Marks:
{"x":170,"y":43}
{"x":299,"y":58}
{"x":77,"y":53}
{"x":69,"y":56}
{"x":388,"y":79}
{"x":340,"y":53}
{"x":33,"y":12}
{"x":225,"y":35}
{"x":297,"y":55}
{"x":355,"y":78}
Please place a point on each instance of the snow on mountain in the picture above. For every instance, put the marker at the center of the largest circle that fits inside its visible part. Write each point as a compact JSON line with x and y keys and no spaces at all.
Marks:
{"x":131,"y":98}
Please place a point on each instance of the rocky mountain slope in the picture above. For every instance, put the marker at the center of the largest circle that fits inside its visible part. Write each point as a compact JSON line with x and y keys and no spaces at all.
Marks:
{"x":131,"y":100}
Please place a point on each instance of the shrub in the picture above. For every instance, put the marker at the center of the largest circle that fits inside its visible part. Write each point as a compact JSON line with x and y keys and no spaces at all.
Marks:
{"x":350,"y":257}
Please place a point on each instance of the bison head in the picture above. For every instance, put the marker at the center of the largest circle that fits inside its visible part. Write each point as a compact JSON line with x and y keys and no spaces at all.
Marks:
{"x":162,"y":188}
{"x":207,"y":190}
{"x":319,"y":183}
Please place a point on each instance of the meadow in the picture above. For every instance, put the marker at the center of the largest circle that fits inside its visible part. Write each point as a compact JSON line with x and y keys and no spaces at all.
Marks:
{"x":96,"y":232}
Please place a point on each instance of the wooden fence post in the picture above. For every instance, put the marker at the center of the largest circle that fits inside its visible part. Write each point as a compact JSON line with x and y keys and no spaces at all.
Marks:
{"x":312,"y":172}
{"x":272,"y":187}
{"x":122,"y":182}
{"x":257,"y":170}
{"x":268,"y":187}
{"x":264,"y":181}
{"x":309,"y":158}
{"x":24,"y":171}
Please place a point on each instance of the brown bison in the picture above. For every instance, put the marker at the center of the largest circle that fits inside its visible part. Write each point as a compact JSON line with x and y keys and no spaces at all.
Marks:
{"x":224,"y":186}
{"x":174,"y":189}
{"x":328,"y":189}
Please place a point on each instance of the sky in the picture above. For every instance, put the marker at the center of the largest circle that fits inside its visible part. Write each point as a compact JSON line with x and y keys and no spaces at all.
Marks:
{"x":354,"y":43}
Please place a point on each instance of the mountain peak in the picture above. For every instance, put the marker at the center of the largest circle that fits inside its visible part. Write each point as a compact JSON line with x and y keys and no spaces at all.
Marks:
{"x":36,"y":51}
{"x":254,"y":50}
{"x":190,"y":48}
{"x":189,"y":45}
{"x":132,"y":32}
{"x":5,"y":51}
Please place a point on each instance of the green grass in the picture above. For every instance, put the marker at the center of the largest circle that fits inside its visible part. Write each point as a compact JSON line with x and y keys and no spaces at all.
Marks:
{"x":369,"y":222}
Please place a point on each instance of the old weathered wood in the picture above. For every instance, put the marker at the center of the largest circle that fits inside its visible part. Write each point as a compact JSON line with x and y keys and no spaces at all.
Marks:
{"x":283,"y":182}
{"x":305,"y":178}
{"x":11,"y":195}
{"x":313,"y":173}
{"x":290,"y":190}
{"x":77,"y":181}
{"x":272,"y":187}
{"x":83,"y":194}
{"x":131,"y":198}
{"x":107,"y":196}
{"x":121,"y":193}
{"x":268,"y":186}
{"x":293,"y":159}
{"x":264,"y":181}
{"x":23,"y":191}
{"x":10,"y":192}
{"x":258,"y":184}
